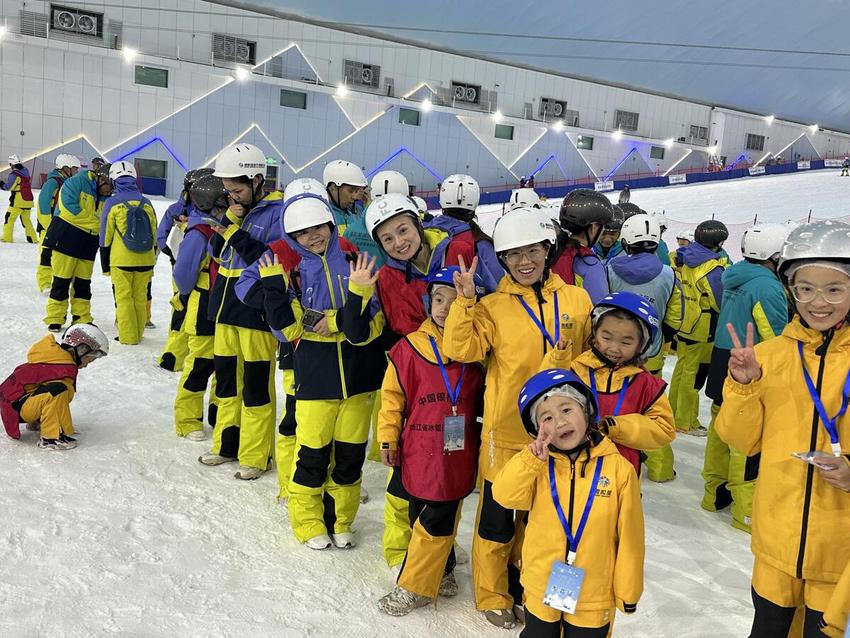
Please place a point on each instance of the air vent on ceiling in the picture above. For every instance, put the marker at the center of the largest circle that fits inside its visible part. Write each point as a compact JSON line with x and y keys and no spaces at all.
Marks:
{"x":71,"y":20}
{"x":470,"y":93}
{"x":361,"y":74}
{"x":550,"y":108}
{"x":228,"y":48}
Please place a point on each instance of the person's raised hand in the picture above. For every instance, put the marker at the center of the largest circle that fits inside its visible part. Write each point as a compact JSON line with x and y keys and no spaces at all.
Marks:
{"x":540,"y":446}
{"x":267,"y":260}
{"x":743,"y":365}
{"x":464,"y":280}
{"x":363,"y":271}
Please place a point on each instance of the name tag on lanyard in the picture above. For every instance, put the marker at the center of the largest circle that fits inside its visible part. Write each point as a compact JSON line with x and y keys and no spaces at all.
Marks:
{"x":829,"y":424}
{"x":454,"y":426}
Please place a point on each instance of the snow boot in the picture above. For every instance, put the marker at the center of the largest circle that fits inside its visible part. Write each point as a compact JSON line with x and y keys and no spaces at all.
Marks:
{"x":57,"y":444}
{"x":320,"y":542}
{"x":247,"y":473}
{"x":400,"y":602}
{"x":503,"y":618}
{"x":448,"y":585}
{"x":55,"y":327}
{"x":215,"y":459}
{"x":197,"y":435}
{"x":345,"y":540}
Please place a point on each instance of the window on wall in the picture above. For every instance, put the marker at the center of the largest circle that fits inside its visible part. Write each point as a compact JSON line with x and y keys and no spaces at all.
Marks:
{"x":656,"y":152}
{"x":626,"y":120}
{"x":699,"y":132}
{"x":584,"y":143}
{"x":504,"y":132}
{"x":293,"y":99}
{"x":151,"y":168}
{"x":408,"y":116}
{"x":151,"y":76}
{"x":755,"y":142}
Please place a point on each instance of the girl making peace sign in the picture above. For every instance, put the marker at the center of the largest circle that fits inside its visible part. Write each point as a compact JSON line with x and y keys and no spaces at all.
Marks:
{"x":787,"y":398}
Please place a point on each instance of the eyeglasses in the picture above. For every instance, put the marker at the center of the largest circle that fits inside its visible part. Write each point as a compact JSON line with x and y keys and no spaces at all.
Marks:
{"x":805,"y":293}
{"x":532,"y":253}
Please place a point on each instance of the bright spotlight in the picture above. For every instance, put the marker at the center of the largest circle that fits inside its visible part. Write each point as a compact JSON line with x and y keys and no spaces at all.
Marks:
{"x":558,"y":126}
{"x":129,"y":54}
{"x":2,"y":31}
{"x":242,"y":74}
{"x":426,"y":104}
{"x":497,"y":116}
{"x":769,"y":119}
{"x":341,"y":90}
{"x":669,"y":142}
{"x":814,"y":128}
{"x":617,"y":135}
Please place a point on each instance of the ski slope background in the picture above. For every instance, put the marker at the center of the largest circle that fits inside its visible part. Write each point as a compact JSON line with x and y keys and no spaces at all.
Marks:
{"x":128,"y":535}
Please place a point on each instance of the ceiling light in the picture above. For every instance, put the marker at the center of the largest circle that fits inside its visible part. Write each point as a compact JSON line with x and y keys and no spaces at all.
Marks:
{"x":129,"y":54}
{"x":242,"y":74}
{"x":426,"y":104}
{"x":497,"y":116}
{"x":341,"y":90}
{"x":769,"y":119}
{"x":558,"y":125}
{"x":617,"y":135}
{"x":669,"y":142}
{"x":814,"y":128}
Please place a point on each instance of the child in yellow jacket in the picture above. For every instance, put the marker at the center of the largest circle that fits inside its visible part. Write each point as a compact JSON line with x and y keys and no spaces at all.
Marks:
{"x":584,"y":548}
{"x":787,"y":397}
{"x":633,"y":407}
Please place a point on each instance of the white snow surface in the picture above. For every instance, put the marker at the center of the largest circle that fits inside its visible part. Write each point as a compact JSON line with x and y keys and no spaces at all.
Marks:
{"x":128,"y":535}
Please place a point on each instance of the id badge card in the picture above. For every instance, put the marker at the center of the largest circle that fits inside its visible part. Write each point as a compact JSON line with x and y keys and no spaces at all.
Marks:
{"x":564,"y":587}
{"x":454,"y":433}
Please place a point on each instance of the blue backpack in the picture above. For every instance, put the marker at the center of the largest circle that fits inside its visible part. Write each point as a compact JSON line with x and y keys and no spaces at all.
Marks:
{"x":139,"y":235}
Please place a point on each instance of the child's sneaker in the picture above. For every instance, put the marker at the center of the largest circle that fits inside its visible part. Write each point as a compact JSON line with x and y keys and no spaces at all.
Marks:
{"x":503,"y":618}
{"x":215,"y":459}
{"x":320,"y":542}
{"x":400,"y":602}
{"x":247,"y":473}
{"x":345,"y":540}
{"x":150,"y":325}
{"x":196,"y":435}
{"x":57,"y":444}
{"x":448,"y":585}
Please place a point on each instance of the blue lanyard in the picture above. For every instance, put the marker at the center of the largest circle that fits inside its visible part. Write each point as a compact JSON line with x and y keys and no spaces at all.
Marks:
{"x":542,"y":327}
{"x":620,"y":399}
{"x":454,"y":395}
{"x":830,"y":424}
{"x":574,"y":540}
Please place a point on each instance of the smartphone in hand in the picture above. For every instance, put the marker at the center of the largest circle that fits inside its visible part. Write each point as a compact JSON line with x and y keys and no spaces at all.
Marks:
{"x":311,"y":318}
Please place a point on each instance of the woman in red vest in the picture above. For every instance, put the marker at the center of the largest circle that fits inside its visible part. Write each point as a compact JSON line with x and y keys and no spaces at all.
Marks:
{"x":427,"y":429}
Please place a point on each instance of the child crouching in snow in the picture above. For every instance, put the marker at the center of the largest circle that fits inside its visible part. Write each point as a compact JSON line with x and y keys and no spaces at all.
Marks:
{"x":427,"y":427}
{"x":584,"y":543}
{"x":40,"y":391}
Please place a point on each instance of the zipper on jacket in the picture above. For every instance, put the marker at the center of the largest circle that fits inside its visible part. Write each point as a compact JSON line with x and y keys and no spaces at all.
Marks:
{"x":610,"y":378}
{"x":572,"y":499}
{"x":326,"y":268}
{"x":810,"y":472}
{"x":543,"y":321}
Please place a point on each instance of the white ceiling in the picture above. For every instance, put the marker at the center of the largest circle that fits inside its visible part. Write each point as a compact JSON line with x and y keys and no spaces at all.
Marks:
{"x":800,"y":84}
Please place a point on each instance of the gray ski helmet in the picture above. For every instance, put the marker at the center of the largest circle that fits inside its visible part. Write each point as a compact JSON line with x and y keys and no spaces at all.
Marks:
{"x":207,"y":192}
{"x":711,"y":233}
{"x":821,"y":240}
{"x":616,"y":222}
{"x":194,"y":174}
{"x":583,"y":207}
{"x":630,"y":209}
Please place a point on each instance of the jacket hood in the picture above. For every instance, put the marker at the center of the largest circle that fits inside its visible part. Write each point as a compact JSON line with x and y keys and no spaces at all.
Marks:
{"x":743,"y":272}
{"x":809,"y":336}
{"x":637,"y":269}
{"x":695,"y":254}
{"x":590,"y":361}
{"x":438,"y":241}
{"x":126,"y":184}
{"x":47,"y":350}
{"x":23,"y":171}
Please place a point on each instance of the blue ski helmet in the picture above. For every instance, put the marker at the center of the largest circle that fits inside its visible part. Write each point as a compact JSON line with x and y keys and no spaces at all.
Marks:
{"x":545,"y":382}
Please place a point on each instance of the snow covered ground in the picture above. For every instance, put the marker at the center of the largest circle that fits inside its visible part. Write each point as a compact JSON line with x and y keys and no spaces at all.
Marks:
{"x":128,"y":535}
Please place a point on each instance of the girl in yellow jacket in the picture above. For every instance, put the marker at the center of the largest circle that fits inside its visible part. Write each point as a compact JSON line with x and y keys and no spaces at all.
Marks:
{"x":634,"y":409}
{"x":785,"y":397}
{"x":530,"y":311}
{"x":584,"y":551}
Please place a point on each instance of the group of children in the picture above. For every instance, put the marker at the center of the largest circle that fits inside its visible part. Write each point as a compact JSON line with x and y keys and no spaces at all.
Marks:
{"x":526,"y":365}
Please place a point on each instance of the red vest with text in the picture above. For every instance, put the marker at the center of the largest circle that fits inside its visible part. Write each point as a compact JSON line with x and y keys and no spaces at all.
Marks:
{"x":13,"y":388}
{"x":643,"y":390}
{"x":427,"y":472}
{"x":563,"y":267}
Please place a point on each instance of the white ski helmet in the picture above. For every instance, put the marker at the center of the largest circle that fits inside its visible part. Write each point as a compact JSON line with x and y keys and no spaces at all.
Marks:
{"x":14,"y":159}
{"x":685,"y":234}
{"x":87,"y":340}
{"x":389,"y":182}
{"x":524,"y":198}
{"x":661,"y":217}
{"x":240,"y":160}
{"x":341,"y":172}
{"x":306,"y":210}
{"x":421,"y":204}
{"x":640,"y":228}
{"x":387,"y":207}
{"x":522,"y":227}
{"x":763,"y":241}
{"x":121,"y":169}
{"x":64,"y":159}
{"x":460,"y":191}
{"x":304,"y":185}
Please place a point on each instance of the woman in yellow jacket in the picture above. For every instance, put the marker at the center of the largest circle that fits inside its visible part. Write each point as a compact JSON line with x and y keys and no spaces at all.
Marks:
{"x":128,"y":252}
{"x":584,"y":548}
{"x":530,"y":311}
{"x":788,"y":396}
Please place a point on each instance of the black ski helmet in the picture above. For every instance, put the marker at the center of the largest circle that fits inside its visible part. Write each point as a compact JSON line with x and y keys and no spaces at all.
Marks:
{"x":102,"y":172}
{"x":207,"y":192}
{"x":630,"y":210}
{"x":583,"y":207}
{"x":193,"y":175}
{"x":616,"y":222}
{"x":711,"y":233}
